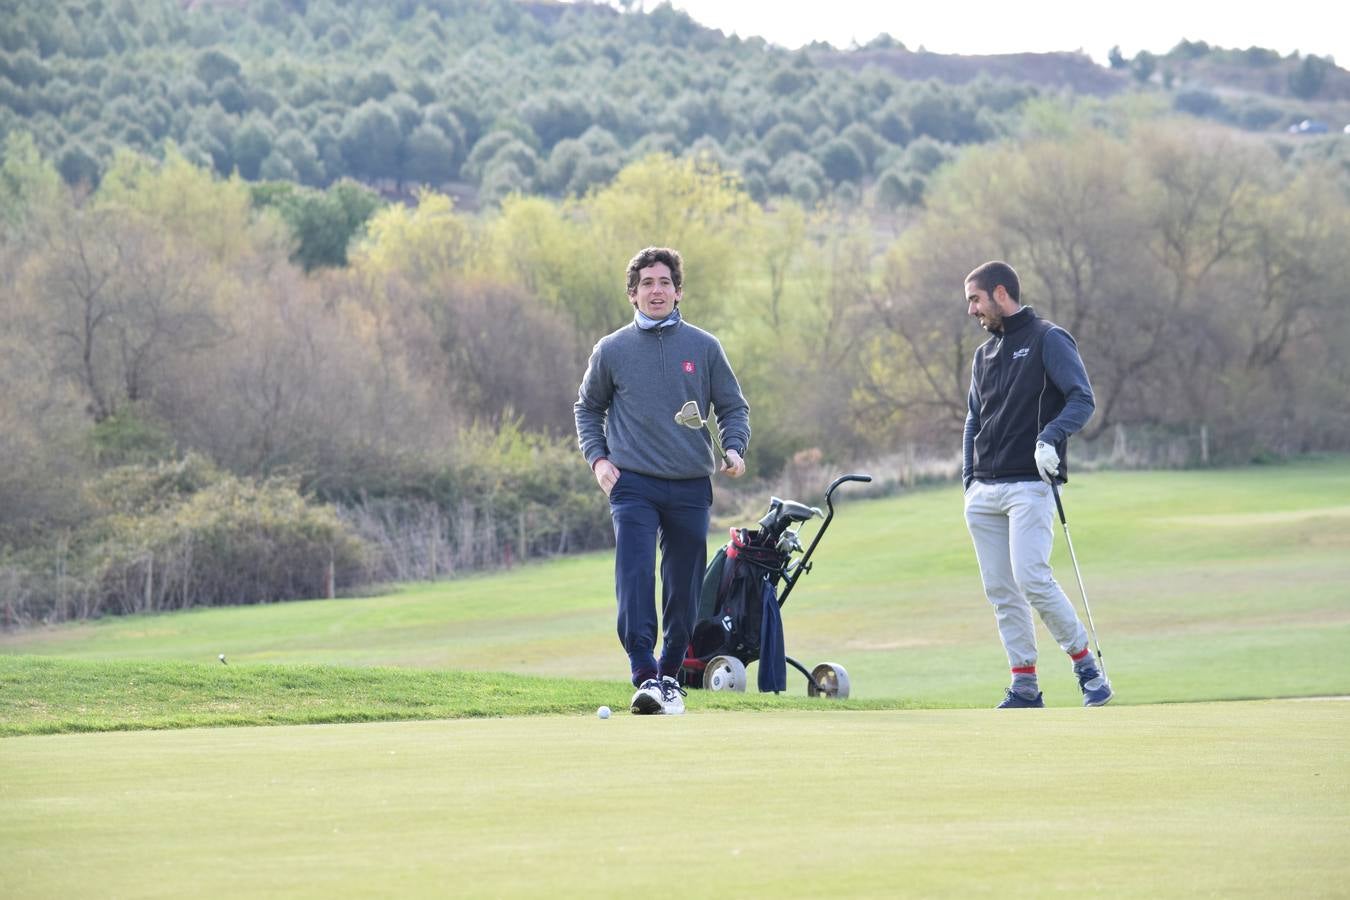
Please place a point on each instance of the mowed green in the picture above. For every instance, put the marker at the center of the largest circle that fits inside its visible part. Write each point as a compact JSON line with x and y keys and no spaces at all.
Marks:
{"x":1176,"y":800}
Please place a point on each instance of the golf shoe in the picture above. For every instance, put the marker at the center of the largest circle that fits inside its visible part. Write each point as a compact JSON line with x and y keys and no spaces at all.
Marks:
{"x":672,"y":697}
{"x":1096,"y":689}
{"x":1014,"y":700}
{"x":649,"y":699}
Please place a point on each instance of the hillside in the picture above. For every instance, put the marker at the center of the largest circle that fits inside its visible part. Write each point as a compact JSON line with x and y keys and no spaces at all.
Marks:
{"x":482,"y":98}
{"x":1073,"y":71}
{"x":1254,"y":89}
{"x":1259,"y":71}
{"x":1254,"y":71}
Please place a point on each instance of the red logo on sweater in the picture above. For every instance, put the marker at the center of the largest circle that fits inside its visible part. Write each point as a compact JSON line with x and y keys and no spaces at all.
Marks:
{"x":688,"y":367}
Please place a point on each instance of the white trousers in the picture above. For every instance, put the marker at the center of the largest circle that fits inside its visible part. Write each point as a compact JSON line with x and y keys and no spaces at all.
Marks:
{"x":1012,"y":526}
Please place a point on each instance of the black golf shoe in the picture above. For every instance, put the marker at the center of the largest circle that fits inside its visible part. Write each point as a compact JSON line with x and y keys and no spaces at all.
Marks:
{"x":1014,"y":700}
{"x":1096,"y":689}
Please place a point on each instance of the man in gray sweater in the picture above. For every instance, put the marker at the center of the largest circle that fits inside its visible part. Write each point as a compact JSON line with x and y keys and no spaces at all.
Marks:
{"x":657,"y":473}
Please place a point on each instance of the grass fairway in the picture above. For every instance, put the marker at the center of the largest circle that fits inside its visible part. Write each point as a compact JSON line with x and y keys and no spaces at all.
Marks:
{"x":1205,"y":585}
{"x":1233,"y":799}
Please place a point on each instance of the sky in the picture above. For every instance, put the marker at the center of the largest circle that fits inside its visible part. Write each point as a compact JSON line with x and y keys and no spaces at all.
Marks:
{"x":1034,"y":26}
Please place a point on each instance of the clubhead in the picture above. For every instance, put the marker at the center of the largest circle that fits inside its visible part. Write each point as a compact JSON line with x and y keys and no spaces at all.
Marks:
{"x":689,"y":416}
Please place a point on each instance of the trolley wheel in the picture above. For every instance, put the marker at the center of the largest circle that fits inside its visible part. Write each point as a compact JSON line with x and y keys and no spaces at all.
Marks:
{"x":725,"y":673}
{"x":828,"y":680}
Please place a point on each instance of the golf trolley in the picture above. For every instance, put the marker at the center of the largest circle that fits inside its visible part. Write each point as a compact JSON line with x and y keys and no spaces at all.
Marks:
{"x":738,"y":618}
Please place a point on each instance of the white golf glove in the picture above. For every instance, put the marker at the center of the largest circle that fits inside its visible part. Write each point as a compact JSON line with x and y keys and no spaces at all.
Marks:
{"x":1047,"y":461}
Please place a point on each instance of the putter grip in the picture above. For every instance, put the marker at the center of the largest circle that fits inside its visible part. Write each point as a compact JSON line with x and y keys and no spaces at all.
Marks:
{"x":1059,"y":504}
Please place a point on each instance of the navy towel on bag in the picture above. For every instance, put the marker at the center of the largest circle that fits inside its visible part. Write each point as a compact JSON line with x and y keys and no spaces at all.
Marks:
{"x":772,"y":650}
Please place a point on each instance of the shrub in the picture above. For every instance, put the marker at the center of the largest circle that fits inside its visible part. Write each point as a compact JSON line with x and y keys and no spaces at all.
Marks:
{"x":183,"y":534}
{"x":508,"y":495}
{"x":1199,"y":102}
{"x":232,"y":542}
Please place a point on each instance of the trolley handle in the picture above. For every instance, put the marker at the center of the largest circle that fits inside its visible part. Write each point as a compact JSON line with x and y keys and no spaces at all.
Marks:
{"x":802,"y":565}
{"x":857,"y":476}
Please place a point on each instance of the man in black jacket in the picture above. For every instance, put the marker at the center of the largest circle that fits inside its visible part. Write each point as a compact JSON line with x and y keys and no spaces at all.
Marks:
{"x":1028,"y":393}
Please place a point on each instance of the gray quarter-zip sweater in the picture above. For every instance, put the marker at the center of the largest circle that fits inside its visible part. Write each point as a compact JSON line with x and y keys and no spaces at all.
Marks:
{"x":635,"y":383}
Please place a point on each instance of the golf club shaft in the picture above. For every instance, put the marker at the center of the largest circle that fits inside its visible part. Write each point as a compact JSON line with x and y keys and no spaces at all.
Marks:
{"x":690,"y":417}
{"x":1082,"y":591}
{"x":717,"y":444}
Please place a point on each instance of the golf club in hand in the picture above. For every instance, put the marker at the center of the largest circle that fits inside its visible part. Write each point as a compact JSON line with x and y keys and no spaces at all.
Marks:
{"x":1059,"y":505}
{"x":690,"y":417}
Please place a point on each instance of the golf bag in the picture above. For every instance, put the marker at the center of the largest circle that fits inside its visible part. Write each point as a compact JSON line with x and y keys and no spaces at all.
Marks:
{"x":738,"y":612}
{"x":739,"y":619}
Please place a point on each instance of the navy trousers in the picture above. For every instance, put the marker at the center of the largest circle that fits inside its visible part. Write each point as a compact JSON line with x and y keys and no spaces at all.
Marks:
{"x":675,"y":514}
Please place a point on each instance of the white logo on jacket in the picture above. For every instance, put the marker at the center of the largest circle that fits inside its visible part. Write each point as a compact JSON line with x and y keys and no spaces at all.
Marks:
{"x":1019,"y":354}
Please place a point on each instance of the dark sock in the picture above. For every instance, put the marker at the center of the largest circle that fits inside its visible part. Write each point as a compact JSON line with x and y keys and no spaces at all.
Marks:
{"x":1024,"y":683}
{"x":1085,"y":661}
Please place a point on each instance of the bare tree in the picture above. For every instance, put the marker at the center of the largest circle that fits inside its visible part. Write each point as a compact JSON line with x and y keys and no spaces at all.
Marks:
{"x":508,"y":355}
{"x":41,"y":423}
{"x":1076,"y":228}
{"x":918,"y":360}
{"x":113,"y":302}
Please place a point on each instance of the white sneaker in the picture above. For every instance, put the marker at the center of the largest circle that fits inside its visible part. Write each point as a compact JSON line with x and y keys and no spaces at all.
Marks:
{"x":672,"y":697}
{"x":649,"y":699}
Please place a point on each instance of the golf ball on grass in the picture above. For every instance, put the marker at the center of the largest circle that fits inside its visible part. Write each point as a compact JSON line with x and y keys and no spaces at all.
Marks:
{"x":603,"y":712}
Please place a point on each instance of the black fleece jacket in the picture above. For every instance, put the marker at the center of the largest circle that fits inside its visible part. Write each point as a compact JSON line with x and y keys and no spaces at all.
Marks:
{"x":1027,"y":384}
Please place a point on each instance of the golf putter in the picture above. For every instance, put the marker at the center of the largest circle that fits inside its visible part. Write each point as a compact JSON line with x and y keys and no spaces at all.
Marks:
{"x":1059,"y":504}
{"x":689,"y":417}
